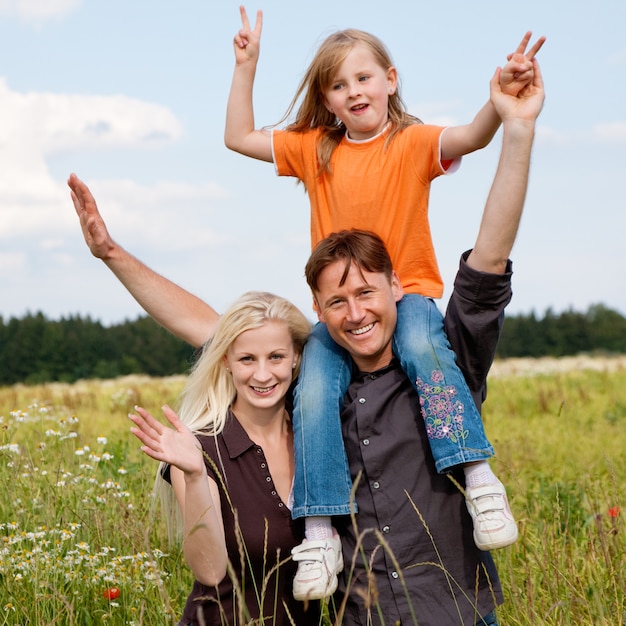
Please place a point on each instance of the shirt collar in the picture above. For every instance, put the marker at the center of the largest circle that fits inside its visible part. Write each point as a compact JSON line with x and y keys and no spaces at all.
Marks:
{"x":358,"y":141}
{"x":235,"y":437}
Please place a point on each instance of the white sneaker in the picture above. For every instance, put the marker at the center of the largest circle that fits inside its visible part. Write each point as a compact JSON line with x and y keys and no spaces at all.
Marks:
{"x":319,"y":562}
{"x":494,"y":526}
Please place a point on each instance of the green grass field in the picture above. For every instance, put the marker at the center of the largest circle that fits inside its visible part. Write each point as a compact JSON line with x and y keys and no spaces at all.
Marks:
{"x":76,"y":525}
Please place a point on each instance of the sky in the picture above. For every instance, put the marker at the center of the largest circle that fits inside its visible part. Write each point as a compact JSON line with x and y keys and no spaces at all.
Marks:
{"x":132,"y":97}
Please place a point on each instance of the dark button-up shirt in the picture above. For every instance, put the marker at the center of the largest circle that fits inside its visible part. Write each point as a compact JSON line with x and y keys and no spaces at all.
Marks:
{"x":413,"y":551}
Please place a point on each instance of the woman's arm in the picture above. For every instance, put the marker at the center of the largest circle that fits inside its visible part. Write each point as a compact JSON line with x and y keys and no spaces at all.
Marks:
{"x":177,"y":310}
{"x":198,"y":497}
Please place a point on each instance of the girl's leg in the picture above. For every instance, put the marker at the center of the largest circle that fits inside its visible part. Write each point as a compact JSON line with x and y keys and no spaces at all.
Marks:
{"x":453,"y":423}
{"x":322,"y":479}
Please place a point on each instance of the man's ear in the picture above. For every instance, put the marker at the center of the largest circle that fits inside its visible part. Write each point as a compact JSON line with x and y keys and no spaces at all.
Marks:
{"x":396,"y":287}
{"x":318,"y":310}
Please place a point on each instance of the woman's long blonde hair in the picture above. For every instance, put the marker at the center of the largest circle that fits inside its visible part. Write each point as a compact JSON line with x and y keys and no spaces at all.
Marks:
{"x":312,"y":112}
{"x":209,"y":391}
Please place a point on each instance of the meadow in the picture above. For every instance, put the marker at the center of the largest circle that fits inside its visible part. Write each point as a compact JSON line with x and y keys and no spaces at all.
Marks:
{"x":80,"y":543}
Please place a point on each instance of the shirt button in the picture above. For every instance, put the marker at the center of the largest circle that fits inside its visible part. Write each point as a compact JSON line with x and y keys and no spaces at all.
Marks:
{"x":273,"y":493}
{"x":262,"y":465}
{"x":258,"y":450}
{"x":366,"y":442}
{"x":280,"y":504}
{"x":386,"y":529}
{"x":376,"y":484}
{"x":362,"y":400}
{"x":394,"y":574}
{"x":268,"y":479}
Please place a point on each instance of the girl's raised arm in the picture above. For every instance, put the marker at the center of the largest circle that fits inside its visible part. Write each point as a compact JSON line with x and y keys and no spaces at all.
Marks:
{"x":240,"y":134}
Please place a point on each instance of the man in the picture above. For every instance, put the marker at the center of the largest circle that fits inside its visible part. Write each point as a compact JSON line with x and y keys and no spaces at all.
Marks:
{"x":410,"y":556}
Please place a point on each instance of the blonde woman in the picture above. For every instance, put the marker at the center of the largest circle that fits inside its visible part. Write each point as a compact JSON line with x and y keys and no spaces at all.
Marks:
{"x":228,"y":454}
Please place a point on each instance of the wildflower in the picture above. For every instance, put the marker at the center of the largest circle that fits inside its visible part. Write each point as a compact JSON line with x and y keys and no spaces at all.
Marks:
{"x":111,"y":593}
{"x":102,"y":440}
{"x":614,"y":512}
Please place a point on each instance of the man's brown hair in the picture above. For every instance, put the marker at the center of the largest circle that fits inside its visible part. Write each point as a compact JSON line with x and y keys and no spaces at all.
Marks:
{"x":362,"y":247}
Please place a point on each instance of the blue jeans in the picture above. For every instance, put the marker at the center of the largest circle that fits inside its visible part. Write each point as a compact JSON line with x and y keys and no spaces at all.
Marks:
{"x":455,"y":430}
{"x":488,"y":620}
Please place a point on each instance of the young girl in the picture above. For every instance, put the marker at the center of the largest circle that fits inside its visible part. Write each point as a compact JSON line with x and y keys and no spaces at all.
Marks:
{"x":367,"y":163}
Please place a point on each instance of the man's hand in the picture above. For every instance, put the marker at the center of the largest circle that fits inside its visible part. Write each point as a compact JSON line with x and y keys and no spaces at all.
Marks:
{"x":94,"y":229}
{"x":525,"y":106}
{"x":517,"y":74}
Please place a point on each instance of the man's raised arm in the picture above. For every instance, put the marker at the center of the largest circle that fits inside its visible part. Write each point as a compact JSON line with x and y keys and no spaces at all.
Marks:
{"x":503,"y":209}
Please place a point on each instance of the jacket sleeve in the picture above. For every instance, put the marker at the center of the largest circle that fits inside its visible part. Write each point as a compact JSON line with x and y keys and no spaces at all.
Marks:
{"x":473,"y":322}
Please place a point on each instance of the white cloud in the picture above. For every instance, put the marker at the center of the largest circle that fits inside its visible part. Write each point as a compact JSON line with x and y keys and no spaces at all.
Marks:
{"x":51,"y":122}
{"x":437,"y":113}
{"x":619,"y":58}
{"x":614,"y":132}
{"x":11,"y":262}
{"x":160,"y":215}
{"x":35,"y":125}
{"x":37,"y":11}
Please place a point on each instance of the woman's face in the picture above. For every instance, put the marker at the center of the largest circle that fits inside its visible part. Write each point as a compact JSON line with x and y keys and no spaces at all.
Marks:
{"x":261,"y":362}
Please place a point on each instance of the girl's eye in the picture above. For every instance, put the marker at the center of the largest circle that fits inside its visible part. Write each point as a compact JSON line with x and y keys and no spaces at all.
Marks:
{"x":363,"y":78}
{"x":337,"y":86}
{"x":277,"y":357}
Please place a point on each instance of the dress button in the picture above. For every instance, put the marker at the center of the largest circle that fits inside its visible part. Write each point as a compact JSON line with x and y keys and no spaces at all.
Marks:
{"x":262,"y":465}
{"x":273,"y":493}
{"x":394,"y":575}
{"x":268,"y":479}
{"x":280,"y":504}
{"x":386,"y":529}
{"x":362,"y":400}
{"x":376,"y":484}
{"x":366,"y":442}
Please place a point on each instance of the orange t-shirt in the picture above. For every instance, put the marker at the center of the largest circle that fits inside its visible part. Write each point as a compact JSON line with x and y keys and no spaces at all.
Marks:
{"x":373,"y":187}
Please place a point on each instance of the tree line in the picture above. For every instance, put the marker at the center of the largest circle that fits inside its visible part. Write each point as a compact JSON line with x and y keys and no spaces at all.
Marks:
{"x":34,"y":349}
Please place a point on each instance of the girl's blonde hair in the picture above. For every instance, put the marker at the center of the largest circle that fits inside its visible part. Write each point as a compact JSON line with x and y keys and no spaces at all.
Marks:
{"x":312,"y":112}
{"x":209,"y":390}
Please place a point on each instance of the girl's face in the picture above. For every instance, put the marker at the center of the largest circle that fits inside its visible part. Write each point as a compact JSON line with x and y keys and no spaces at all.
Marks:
{"x":359,"y":93}
{"x":261,"y":362}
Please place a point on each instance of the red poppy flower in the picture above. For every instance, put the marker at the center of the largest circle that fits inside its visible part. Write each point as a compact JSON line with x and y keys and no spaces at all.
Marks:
{"x":111,"y":593}
{"x":614,"y":511}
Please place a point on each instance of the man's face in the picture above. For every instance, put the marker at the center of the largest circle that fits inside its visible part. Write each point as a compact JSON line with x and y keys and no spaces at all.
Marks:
{"x":360,"y":314}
